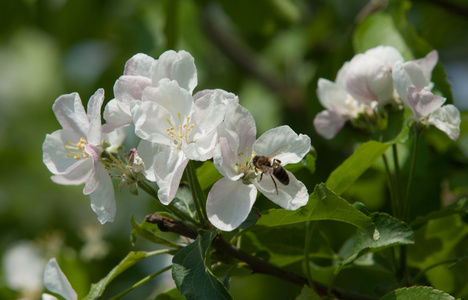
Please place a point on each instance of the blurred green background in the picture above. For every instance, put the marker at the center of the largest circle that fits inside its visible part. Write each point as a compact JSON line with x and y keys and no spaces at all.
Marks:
{"x":269,"y":52}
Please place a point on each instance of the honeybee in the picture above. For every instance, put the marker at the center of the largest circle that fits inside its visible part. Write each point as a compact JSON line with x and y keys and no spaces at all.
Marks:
{"x":272,"y":167}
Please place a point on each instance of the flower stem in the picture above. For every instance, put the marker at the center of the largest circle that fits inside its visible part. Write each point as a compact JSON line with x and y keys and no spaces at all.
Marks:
{"x":199,"y":197}
{"x":411,"y":173}
{"x":398,"y":190}
{"x":308,"y":236}
{"x":139,"y":283}
{"x":391,"y":185}
{"x":171,"y":208}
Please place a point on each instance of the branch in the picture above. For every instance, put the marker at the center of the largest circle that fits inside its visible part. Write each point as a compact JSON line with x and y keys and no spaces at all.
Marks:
{"x":452,"y":7}
{"x":256,"y":264}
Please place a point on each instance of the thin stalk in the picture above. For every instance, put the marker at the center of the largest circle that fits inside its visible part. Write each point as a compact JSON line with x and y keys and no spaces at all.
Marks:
{"x":411,"y":173}
{"x":391,"y":185}
{"x":171,"y":208}
{"x":199,"y":197}
{"x":398,"y":190}
{"x":308,"y":236}
{"x":448,"y":261}
{"x":332,"y":281}
{"x":139,"y":283}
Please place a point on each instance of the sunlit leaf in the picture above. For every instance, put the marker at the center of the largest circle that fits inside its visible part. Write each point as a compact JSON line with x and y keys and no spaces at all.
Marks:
{"x":192,"y":277}
{"x":131,"y":259}
{"x":207,"y":175}
{"x":323,"y":204}
{"x":389,"y":232}
{"x":353,"y":167}
{"x":417,"y":292}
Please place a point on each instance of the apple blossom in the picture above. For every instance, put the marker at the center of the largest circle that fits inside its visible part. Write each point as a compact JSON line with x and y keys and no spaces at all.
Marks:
{"x":176,"y":127}
{"x":142,"y":71}
{"x":73,"y":153}
{"x":427,"y":109}
{"x":232,"y":197}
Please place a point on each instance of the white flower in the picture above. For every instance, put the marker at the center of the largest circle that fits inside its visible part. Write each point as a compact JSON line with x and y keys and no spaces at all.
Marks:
{"x":73,"y":153}
{"x":176,"y":127}
{"x":368,"y":77}
{"x":232,"y":197}
{"x":340,"y":107}
{"x":56,"y":282}
{"x":142,"y":71}
{"x":427,"y":107}
{"x":416,"y":73}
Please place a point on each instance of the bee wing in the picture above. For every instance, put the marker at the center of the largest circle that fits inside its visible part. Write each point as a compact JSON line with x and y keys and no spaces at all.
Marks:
{"x":280,"y":150}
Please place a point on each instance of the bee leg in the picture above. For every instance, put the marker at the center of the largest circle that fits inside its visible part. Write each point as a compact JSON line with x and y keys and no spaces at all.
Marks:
{"x":261,"y":177}
{"x":276,"y":186}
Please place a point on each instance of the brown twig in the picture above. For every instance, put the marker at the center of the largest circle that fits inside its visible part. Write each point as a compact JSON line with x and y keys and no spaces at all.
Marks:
{"x":256,"y":264}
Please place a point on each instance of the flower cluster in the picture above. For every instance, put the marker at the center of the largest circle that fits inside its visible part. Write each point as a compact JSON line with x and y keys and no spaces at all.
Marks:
{"x":377,"y":79}
{"x":155,"y":99}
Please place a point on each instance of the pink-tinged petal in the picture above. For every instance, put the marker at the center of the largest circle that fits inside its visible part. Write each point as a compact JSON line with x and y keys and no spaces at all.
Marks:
{"x":229,"y":202}
{"x":169,"y":166}
{"x":56,"y":282}
{"x":290,"y":196}
{"x":239,"y":128}
{"x":151,"y":122}
{"x":226,"y":96}
{"x":428,"y":63}
{"x":336,"y":99}
{"x":447,"y":119}
{"x":341,"y":76}
{"x":177,"y":101}
{"x":416,"y":75}
{"x":178,"y":66}
{"x":139,"y":65}
{"x":401,"y":81}
{"x":388,"y":54}
{"x":76,"y":175}
{"x":282,"y":143}
{"x":103,"y":197}
{"x":117,"y":115}
{"x":225,"y":160}
{"x":328,"y":123}
{"x":423,"y":102}
{"x":70,"y":113}
{"x":369,"y":79}
{"x":94,"y":116}
{"x":92,"y":182}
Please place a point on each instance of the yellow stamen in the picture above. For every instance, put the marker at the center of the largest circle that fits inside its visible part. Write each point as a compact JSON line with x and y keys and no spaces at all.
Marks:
{"x":77,"y":150}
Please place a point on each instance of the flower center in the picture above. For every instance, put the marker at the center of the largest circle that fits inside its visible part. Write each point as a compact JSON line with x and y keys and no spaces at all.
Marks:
{"x":77,"y":150}
{"x":180,"y":134}
{"x":243,"y":164}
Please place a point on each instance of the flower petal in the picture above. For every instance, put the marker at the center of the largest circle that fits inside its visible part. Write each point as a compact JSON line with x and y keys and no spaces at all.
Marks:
{"x":169,"y":165}
{"x":54,"y":154}
{"x":55,"y":281}
{"x":139,"y":65}
{"x":336,"y":99}
{"x":328,"y":123}
{"x":70,"y":113}
{"x":290,"y":196}
{"x":151,"y":122}
{"x":388,"y":54}
{"x":76,"y":175}
{"x":423,"y":102}
{"x":92,"y":182}
{"x":294,"y":146}
{"x":225,"y":160}
{"x":447,"y":119}
{"x":428,"y":63}
{"x":229,"y":202}
{"x":103,"y":197}
{"x":148,"y":151}
{"x":178,"y":66}
{"x":94,"y":133}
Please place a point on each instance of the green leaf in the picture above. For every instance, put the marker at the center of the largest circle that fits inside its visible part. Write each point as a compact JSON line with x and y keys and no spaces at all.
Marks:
{"x":207,"y":175}
{"x":323,"y":204}
{"x":308,"y":162}
{"x":355,"y":165}
{"x":192,"y":277}
{"x":131,"y":259}
{"x":308,"y":294}
{"x":458,"y":207}
{"x":417,"y":292}
{"x":152,"y":233}
{"x":389,"y":232}
{"x":379,"y":29}
{"x":172,"y":294}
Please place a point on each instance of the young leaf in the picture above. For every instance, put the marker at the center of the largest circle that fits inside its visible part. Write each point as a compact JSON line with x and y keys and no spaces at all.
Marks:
{"x":323,"y":204}
{"x":417,"y":292}
{"x":355,"y":165}
{"x":308,"y":294}
{"x":193,"y":279}
{"x":131,"y":259}
{"x":391,"y":232}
